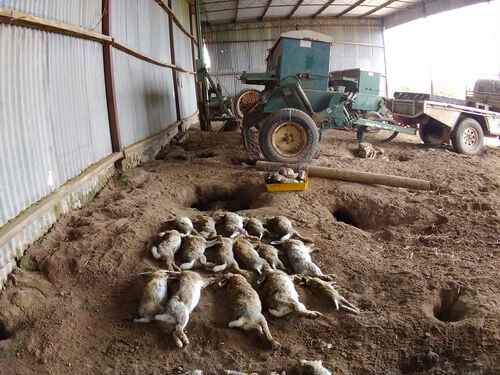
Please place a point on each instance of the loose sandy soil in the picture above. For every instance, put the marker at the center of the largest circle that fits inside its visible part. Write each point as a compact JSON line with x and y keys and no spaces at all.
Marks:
{"x":410,"y":260}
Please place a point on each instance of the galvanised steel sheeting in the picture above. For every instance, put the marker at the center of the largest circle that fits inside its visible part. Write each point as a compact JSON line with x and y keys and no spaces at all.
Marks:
{"x":356,"y":46}
{"x":145,"y":97}
{"x":183,"y":51}
{"x":187,"y":94}
{"x":86,"y":14}
{"x":181,"y":11}
{"x":230,"y":59}
{"x":53,"y":114}
{"x":184,"y":59}
{"x":143,"y":25}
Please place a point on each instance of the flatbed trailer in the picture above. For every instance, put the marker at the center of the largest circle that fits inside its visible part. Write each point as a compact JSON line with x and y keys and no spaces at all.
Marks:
{"x":440,"y":120}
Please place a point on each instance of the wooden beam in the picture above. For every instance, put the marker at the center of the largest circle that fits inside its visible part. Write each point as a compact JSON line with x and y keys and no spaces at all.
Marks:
{"x":47,"y":203}
{"x":13,"y":17}
{"x":299,"y":3}
{"x":377,"y":8}
{"x":170,"y":12}
{"x":322,"y":8}
{"x":265,"y":10}
{"x":357,"y":3}
{"x":236,"y":13}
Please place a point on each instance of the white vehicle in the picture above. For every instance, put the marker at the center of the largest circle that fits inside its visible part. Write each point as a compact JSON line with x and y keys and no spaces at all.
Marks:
{"x":463,"y":122}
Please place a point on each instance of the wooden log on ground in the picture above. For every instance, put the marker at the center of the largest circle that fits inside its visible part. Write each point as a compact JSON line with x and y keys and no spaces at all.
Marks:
{"x":351,"y":175}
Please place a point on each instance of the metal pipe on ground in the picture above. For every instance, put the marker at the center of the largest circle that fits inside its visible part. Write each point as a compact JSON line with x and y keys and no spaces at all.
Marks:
{"x":351,"y":175}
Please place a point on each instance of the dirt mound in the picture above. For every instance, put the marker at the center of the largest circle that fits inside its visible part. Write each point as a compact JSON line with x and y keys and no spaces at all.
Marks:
{"x":421,"y":266}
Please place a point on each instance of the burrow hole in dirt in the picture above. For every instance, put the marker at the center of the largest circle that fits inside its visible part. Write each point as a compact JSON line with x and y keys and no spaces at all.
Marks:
{"x":226,"y":198}
{"x":206,"y":155}
{"x":344,"y":216}
{"x":4,"y":335}
{"x":243,"y":161}
{"x":375,"y":213}
{"x":451,"y":306}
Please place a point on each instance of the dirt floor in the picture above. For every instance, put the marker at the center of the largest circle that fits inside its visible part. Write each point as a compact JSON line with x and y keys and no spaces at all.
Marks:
{"x":423,"y":267}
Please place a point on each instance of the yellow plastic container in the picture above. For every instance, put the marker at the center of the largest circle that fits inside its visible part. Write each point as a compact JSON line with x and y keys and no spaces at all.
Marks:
{"x":288,"y":187}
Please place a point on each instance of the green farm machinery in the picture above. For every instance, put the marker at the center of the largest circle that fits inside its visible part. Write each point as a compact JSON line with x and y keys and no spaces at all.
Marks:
{"x":302,"y":98}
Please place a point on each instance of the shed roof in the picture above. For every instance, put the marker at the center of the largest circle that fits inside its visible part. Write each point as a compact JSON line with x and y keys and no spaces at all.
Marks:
{"x":399,"y":11}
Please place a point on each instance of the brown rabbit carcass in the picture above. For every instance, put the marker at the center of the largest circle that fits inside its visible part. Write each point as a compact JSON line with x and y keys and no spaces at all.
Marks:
{"x":193,"y":252}
{"x":247,"y":308}
{"x":153,"y":297}
{"x":300,"y":259}
{"x":282,"y":227}
{"x":167,"y":248}
{"x":327,"y":289}
{"x":270,"y":254}
{"x":175,"y":316}
{"x":305,"y":367}
{"x":281,"y":296}
{"x":248,"y":257}
{"x":224,"y":257}
{"x":205,"y":226}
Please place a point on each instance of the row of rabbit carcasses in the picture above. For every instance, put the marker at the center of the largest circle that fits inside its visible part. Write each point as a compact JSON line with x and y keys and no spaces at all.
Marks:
{"x":242,"y":246}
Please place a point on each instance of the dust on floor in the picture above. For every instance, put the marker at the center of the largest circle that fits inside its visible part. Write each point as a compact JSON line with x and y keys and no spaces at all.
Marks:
{"x":421,"y":266}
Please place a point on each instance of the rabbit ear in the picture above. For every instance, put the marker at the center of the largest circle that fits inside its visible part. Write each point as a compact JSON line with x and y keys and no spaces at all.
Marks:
{"x":262,"y":279}
{"x":223,"y":280}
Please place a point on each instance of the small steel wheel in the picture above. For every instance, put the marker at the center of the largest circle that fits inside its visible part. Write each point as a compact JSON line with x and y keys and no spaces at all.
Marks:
{"x":244,"y":101}
{"x":431,"y":133}
{"x":288,"y":136}
{"x":376,"y":135}
{"x":467,"y":137}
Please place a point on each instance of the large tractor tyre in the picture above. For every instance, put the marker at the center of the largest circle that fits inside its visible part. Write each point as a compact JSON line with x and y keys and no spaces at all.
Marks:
{"x":375,"y":135}
{"x":288,"y":136}
{"x":467,"y":137}
{"x":244,"y":102}
{"x":432,"y":133}
{"x":250,"y":127}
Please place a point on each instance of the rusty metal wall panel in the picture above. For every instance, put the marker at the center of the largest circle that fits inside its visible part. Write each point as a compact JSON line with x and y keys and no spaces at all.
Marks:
{"x":86,"y":14}
{"x":53,"y":118}
{"x":145,"y":97}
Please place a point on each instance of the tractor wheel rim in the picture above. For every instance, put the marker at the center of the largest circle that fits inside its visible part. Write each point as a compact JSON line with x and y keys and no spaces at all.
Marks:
{"x":289,"y":139}
{"x":246,"y":101}
{"x":470,"y":137}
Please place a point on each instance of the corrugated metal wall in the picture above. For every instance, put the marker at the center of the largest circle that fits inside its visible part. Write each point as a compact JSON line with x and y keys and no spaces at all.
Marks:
{"x":54,"y":120}
{"x":85,"y":14}
{"x":145,"y":92}
{"x":357,"y":45}
{"x":184,"y":58}
{"x":53,"y":107}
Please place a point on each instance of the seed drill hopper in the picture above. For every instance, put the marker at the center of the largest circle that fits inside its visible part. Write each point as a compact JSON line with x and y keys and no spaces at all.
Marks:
{"x":302,"y":98}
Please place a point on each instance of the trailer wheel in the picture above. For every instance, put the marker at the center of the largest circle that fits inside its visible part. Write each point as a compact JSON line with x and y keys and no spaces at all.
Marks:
{"x":244,"y":101}
{"x":431,"y":133}
{"x":375,"y":135}
{"x":467,"y":137}
{"x":288,"y":136}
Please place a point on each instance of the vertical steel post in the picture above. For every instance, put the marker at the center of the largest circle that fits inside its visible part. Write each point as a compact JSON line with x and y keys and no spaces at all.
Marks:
{"x":172,"y":60}
{"x":198,"y":29}
{"x":200,"y":66}
{"x":114,"y":126}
